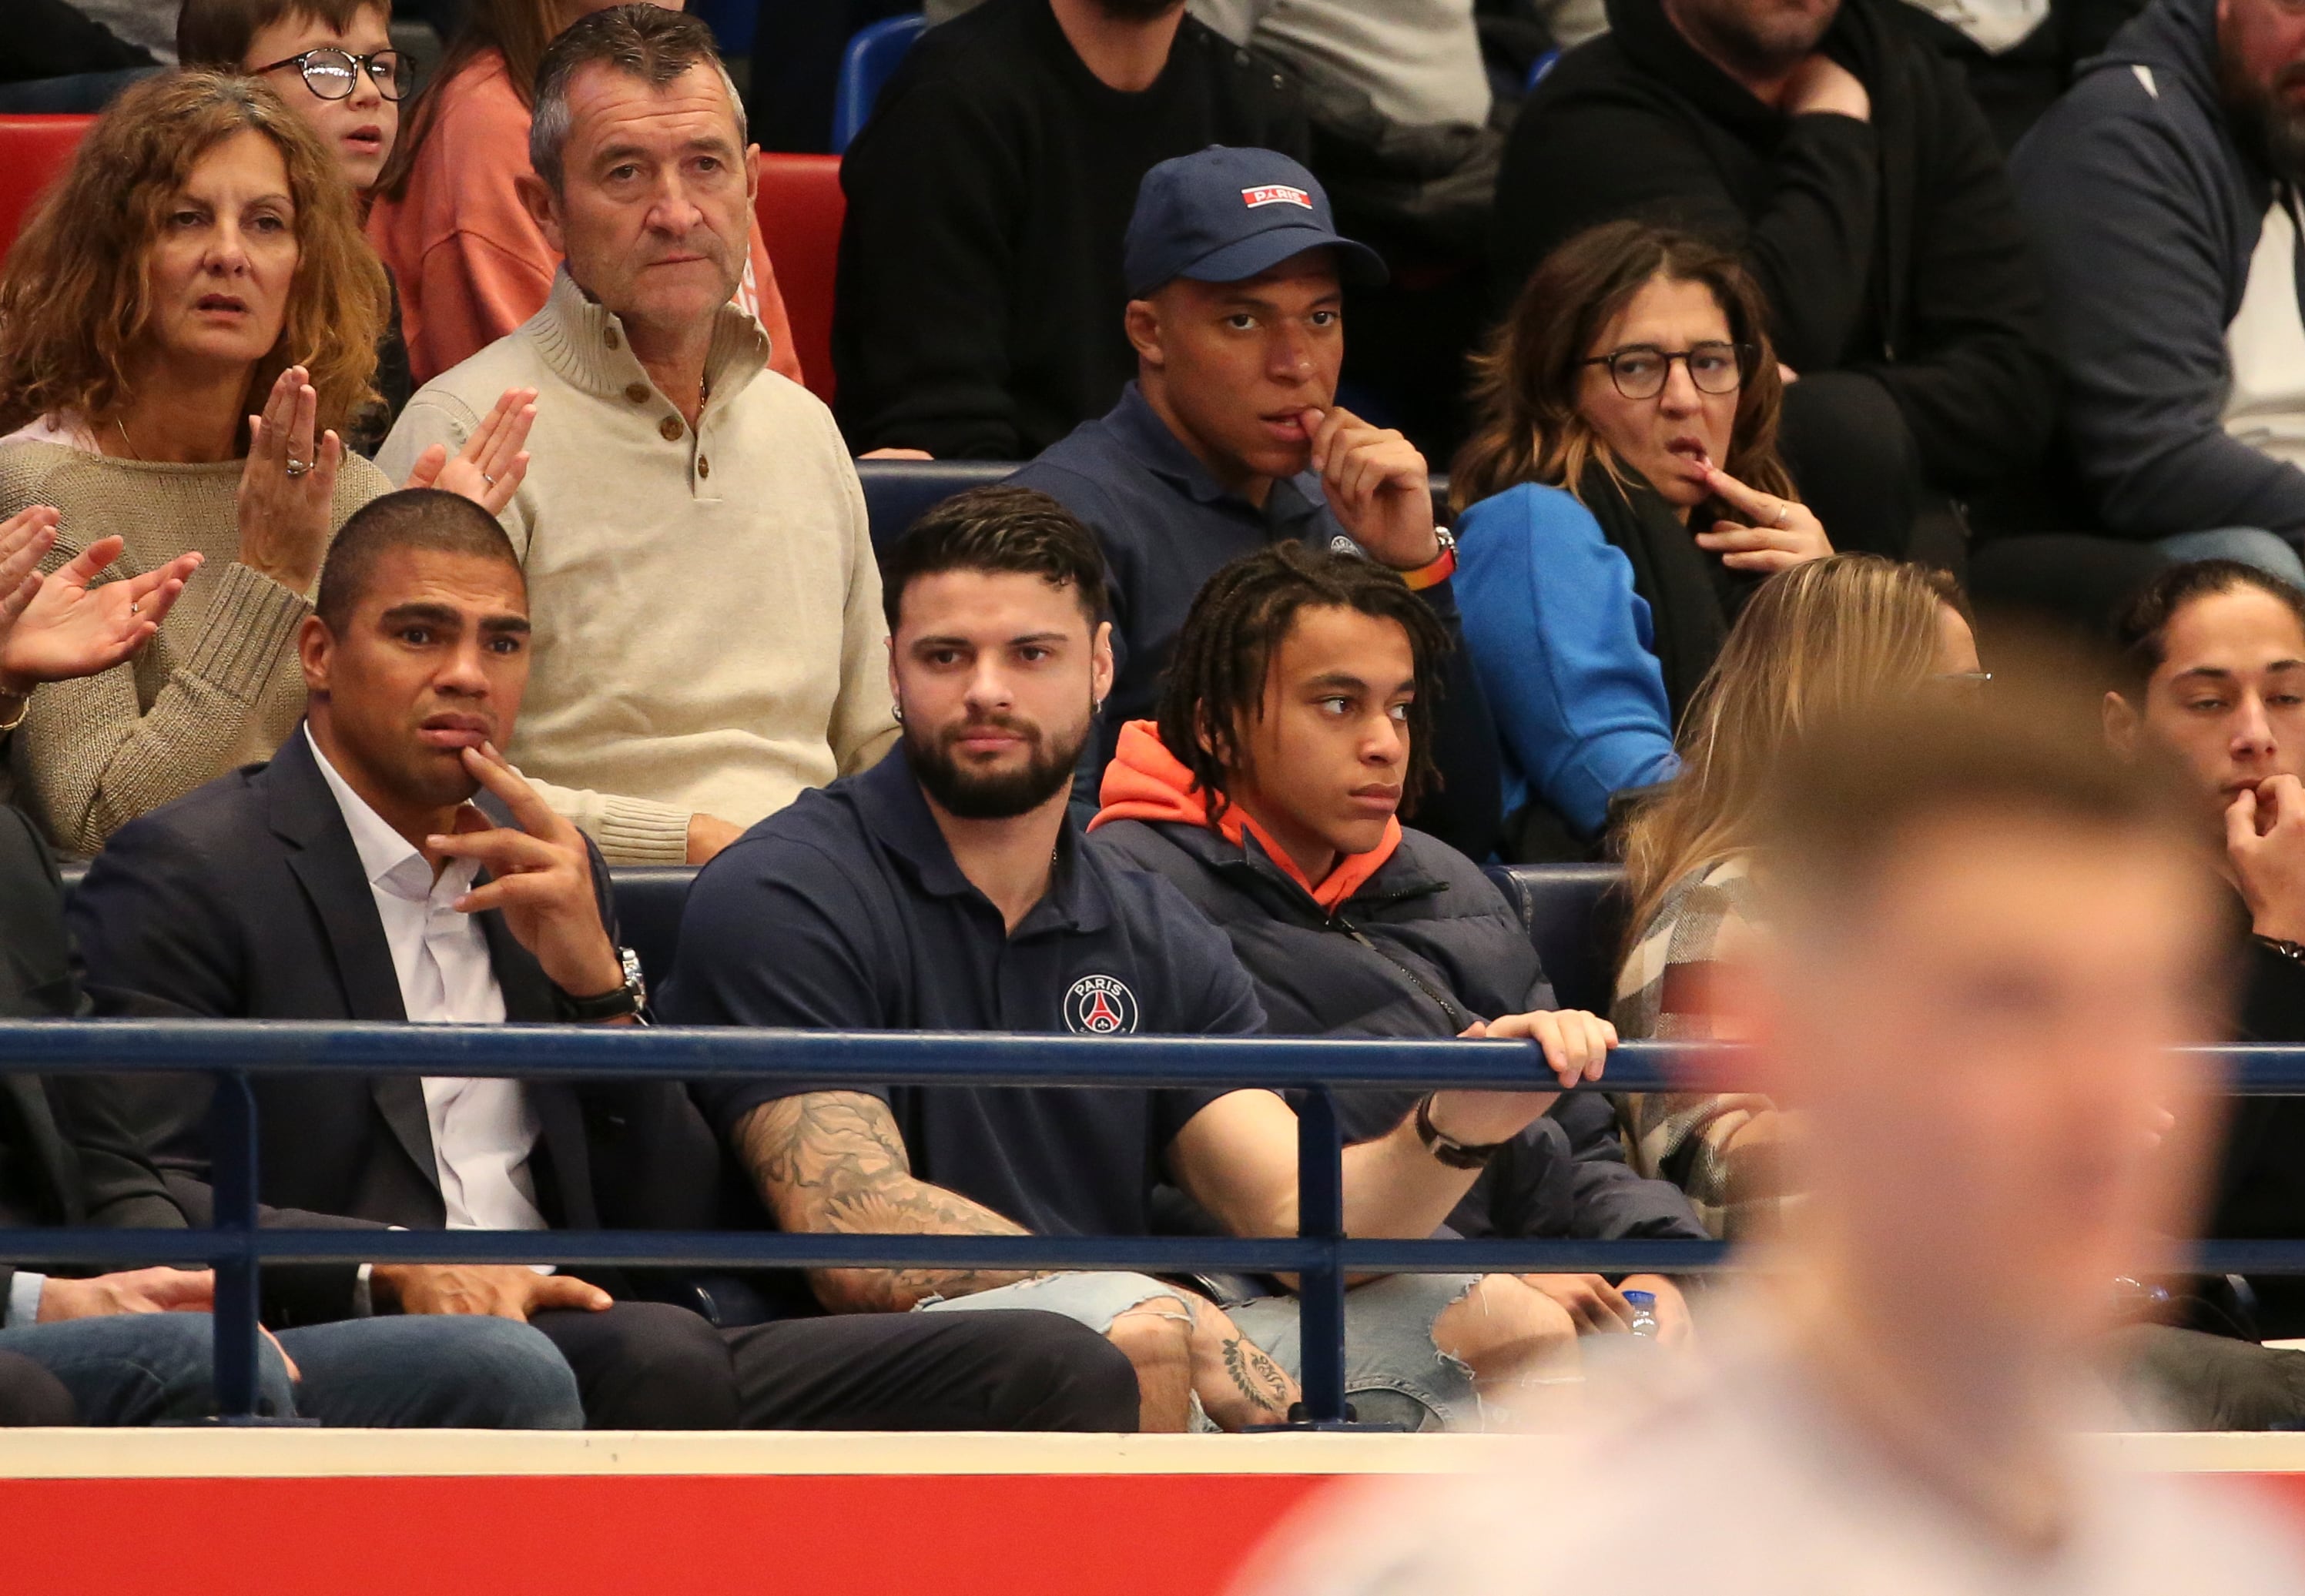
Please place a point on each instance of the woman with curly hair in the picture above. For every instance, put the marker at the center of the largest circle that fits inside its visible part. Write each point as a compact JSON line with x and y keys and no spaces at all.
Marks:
{"x":1620,"y":495}
{"x":185,"y":325}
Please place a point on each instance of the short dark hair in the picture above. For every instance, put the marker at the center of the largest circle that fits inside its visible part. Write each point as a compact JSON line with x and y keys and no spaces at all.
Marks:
{"x":217,"y":33}
{"x":1852,"y":788}
{"x":420,"y":518}
{"x":644,"y":41}
{"x":2142,"y":634}
{"x":997,"y":528}
{"x":1216,"y":677}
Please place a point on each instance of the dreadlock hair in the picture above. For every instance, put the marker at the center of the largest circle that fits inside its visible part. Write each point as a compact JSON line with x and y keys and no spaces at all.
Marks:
{"x":1214,"y":685}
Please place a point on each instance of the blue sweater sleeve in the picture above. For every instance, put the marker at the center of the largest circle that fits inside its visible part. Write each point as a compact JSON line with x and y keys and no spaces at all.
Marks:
{"x":1562,"y":644}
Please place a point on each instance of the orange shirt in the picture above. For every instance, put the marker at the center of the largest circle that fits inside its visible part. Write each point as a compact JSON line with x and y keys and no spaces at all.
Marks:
{"x":469,"y":263}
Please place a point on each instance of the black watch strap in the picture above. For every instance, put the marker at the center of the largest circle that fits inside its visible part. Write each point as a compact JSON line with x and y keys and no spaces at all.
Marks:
{"x":614,"y":1004}
{"x":1457,"y":1155}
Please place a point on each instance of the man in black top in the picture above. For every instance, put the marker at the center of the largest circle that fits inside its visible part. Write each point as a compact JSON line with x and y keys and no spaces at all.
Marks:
{"x":1852,"y":168}
{"x":1230,"y":440}
{"x":1281,"y":827}
{"x":978,"y":314}
{"x":948,"y":889}
{"x":2215,"y":657}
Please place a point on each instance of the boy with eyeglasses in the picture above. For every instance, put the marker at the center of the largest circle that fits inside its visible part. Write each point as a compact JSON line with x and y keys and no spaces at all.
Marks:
{"x":333,"y":63}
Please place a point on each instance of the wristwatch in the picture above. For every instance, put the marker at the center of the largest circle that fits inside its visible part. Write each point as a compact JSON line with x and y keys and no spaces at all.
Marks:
{"x":614,"y":1004}
{"x":1439,"y":568}
{"x":2294,"y":952}
{"x":1457,"y":1155}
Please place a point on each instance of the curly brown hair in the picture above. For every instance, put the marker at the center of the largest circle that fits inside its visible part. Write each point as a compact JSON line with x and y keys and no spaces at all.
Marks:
{"x":75,"y":292}
{"x":1526,"y":380}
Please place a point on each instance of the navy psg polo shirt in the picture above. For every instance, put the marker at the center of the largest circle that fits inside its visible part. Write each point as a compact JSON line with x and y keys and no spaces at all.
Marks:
{"x":848,"y":912}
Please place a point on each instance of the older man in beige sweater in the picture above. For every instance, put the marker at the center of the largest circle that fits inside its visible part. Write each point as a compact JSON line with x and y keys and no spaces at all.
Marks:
{"x":709,"y":637}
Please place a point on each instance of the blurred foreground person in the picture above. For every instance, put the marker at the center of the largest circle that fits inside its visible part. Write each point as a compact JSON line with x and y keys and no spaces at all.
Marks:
{"x":1989,"y":938}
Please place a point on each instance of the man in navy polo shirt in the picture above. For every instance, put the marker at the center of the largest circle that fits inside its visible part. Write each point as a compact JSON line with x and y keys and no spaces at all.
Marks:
{"x":949,"y":888}
{"x":1231,"y":438}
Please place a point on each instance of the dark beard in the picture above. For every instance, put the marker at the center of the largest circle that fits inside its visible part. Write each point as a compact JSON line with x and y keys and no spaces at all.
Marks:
{"x":966,"y":795}
{"x":2261,"y":126}
{"x":1727,"y":35}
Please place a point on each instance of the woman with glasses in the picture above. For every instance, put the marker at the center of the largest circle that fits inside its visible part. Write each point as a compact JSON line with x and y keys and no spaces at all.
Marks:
{"x":1619,"y":498}
{"x":186,"y":323}
{"x":471,"y":262}
{"x":1812,"y":641}
{"x":333,"y":63}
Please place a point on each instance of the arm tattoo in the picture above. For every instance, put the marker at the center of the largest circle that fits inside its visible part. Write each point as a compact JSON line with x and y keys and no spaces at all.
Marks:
{"x":1258,"y":1377}
{"x":834,"y":1161}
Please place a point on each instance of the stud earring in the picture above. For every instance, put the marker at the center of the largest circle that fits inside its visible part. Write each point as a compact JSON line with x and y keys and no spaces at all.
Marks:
{"x":898,"y":711}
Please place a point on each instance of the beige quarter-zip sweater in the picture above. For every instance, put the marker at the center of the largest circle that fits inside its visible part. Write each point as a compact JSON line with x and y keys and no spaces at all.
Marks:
{"x":707,"y":610}
{"x":217,"y":687}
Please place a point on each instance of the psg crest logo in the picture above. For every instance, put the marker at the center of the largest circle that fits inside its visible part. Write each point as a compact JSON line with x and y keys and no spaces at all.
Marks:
{"x":1100,"y":1006}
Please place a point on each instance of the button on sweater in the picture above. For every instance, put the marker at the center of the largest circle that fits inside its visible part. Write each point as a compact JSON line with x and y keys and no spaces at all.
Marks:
{"x":707,"y":610}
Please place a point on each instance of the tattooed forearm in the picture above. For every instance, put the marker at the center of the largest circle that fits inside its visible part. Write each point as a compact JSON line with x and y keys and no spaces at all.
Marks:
{"x":834,"y":1161}
{"x":1258,"y":1377}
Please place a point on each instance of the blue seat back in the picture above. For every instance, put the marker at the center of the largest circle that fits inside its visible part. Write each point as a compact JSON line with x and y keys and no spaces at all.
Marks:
{"x":866,"y":66}
{"x":1573,"y":916}
{"x":648,"y":901}
{"x":1576,"y":917}
{"x":898,"y":492}
{"x":734,"y":22}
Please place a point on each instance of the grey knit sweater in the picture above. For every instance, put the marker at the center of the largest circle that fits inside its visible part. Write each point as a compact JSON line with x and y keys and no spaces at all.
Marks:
{"x":217,"y":687}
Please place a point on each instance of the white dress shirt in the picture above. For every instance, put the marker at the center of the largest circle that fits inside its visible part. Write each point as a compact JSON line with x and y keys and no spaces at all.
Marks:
{"x":483,"y":1132}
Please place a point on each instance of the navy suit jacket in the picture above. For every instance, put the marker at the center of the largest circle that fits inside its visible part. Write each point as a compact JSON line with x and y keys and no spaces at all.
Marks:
{"x":247,"y":900}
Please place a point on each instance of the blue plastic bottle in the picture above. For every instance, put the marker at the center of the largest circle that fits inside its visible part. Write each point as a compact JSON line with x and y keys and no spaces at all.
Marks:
{"x":1643,"y":1306}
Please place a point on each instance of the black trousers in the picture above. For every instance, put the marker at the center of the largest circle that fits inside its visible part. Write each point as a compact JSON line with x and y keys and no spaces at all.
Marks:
{"x":30,"y":1395}
{"x":653,"y":1366}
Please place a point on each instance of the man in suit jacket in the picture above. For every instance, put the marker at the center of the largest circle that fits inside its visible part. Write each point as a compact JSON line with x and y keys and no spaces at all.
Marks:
{"x":352,"y":879}
{"x":134,"y":1347}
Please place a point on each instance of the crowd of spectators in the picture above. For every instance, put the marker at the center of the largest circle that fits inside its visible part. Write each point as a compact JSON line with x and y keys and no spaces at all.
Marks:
{"x":410,"y":509}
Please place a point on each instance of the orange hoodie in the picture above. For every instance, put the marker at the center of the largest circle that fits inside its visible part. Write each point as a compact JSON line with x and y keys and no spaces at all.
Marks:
{"x":1146,"y":782}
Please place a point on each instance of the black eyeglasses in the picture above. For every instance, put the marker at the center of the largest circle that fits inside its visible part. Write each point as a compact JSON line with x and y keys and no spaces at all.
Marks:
{"x":332,"y":74}
{"x":1639,"y":369}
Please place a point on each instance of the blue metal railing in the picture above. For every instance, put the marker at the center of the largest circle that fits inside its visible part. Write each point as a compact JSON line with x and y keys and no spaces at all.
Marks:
{"x":1320,"y":1255}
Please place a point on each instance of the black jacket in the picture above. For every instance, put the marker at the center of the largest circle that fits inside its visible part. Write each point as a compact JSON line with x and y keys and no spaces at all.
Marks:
{"x":1424,"y":948}
{"x":247,"y":900}
{"x":89,"y":1168}
{"x":1892,"y":249}
{"x":2260,"y":1189}
{"x":979,"y":307}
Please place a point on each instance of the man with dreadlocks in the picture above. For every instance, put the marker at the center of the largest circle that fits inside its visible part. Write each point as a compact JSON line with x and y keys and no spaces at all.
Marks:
{"x":949,"y":888}
{"x":1292,"y":724}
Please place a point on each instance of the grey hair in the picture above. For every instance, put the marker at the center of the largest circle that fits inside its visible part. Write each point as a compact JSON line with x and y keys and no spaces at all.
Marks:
{"x":643,"y":41}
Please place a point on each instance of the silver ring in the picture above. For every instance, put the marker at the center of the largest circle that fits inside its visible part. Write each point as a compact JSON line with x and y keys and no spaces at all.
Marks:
{"x":135,"y":608}
{"x":491,"y":482}
{"x":1784,"y":513}
{"x":297,"y":468}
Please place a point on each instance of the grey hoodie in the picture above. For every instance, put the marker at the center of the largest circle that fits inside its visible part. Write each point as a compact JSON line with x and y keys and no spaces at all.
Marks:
{"x":2146,"y":214}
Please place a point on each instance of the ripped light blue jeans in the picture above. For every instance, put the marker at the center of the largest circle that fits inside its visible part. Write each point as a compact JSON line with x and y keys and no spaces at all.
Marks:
{"x":1394,"y":1374}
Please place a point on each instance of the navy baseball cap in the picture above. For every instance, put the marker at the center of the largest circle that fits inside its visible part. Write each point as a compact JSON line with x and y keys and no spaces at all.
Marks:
{"x":1222,"y":215}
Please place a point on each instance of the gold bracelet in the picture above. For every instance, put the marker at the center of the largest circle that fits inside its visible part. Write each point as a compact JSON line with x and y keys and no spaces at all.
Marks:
{"x":23,"y":708}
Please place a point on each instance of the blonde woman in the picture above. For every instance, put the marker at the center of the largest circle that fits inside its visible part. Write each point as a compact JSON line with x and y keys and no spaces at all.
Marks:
{"x":1815,"y":637}
{"x":185,"y":325}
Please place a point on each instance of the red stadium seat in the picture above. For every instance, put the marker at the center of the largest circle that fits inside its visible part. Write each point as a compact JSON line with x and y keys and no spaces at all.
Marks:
{"x":34,"y":150}
{"x":801,"y":208}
